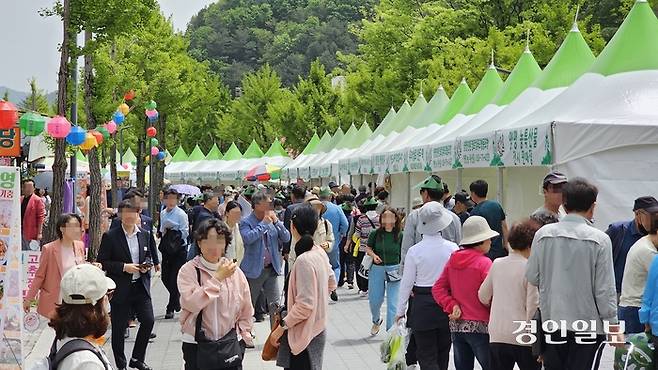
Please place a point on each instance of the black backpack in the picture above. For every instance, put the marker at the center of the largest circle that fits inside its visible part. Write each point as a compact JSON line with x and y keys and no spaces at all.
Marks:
{"x":70,"y":347}
{"x":172,"y":243}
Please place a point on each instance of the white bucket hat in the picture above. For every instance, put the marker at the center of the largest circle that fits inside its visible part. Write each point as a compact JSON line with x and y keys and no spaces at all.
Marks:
{"x":85,"y":284}
{"x":476,"y":230}
{"x":433,"y":218}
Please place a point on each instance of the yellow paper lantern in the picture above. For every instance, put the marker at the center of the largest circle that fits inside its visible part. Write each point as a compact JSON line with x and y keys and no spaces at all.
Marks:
{"x":124,"y":108}
{"x":90,"y":142}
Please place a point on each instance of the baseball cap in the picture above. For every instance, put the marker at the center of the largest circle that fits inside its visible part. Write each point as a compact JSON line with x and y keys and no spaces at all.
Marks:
{"x":332,"y":184}
{"x":463,"y":197}
{"x":647,"y":203}
{"x":85,"y":284}
{"x":554,"y":178}
{"x":433,"y":218}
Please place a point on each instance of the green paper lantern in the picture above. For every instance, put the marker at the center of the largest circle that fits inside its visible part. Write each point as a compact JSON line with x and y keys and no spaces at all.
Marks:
{"x":151,"y":105}
{"x":104,"y":132}
{"x":32,"y":124}
{"x":154,"y":142}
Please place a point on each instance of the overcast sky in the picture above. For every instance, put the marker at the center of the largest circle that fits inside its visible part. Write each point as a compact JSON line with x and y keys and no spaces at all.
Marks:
{"x":30,"y":43}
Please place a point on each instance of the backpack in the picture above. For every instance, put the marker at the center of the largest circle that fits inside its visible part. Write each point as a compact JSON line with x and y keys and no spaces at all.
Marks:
{"x":172,"y":243}
{"x":56,"y":357}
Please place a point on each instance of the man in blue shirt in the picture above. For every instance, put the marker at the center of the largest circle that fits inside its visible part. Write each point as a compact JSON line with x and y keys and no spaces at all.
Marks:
{"x":262,"y":233}
{"x":625,"y":233}
{"x":493,"y":212}
{"x":174,"y":228}
{"x":335,"y":215}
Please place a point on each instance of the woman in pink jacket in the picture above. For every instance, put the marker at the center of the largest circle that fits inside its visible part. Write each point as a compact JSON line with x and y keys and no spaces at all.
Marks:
{"x":302,"y":332}
{"x":56,"y":258}
{"x":456,"y":292}
{"x":221,"y":297}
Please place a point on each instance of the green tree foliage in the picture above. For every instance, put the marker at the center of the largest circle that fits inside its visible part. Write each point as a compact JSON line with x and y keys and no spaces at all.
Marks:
{"x":36,"y":100}
{"x":239,"y":36}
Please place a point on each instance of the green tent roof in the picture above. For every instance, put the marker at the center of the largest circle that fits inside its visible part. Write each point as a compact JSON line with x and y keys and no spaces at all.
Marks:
{"x":571,"y":60}
{"x":385,"y":122}
{"x":79,"y":156}
{"x":433,"y":109}
{"x":276,"y":150}
{"x":232,"y":153}
{"x":323,"y":145}
{"x":416,"y":110}
{"x":129,"y":157}
{"x":179,"y":156}
{"x":457,"y":101}
{"x":312,"y":144}
{"x":196,"y":155}
{"x":484,"y":94}
{"x":253,"y":151}
{"x":525,"y":72}
{"x":345,"y":142}
{"x":214,"y":153}
{"x":338,"y":136}
{"x":361,"y":136}
{"x":401,"y":116}
{"x":634,"y":47}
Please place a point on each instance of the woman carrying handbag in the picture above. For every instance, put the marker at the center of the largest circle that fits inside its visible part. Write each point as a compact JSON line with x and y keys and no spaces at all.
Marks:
{"x":216,"y":303}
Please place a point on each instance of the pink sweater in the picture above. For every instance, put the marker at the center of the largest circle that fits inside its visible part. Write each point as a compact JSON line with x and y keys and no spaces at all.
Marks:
{"x":459,"y":284}
{"x":311,"y":280}
{"x":226,"y":304}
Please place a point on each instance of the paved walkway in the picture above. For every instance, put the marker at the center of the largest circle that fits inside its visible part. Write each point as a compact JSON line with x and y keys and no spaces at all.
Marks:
{"x":349,"y":345}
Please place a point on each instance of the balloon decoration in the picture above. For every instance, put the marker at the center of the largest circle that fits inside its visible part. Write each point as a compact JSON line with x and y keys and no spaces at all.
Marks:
{"x":154,"y":142}
{"x":151,"y":132}
{"x":111,"y":127}
{"x":124,"y":108}
{"x":104,"y":132}
{"x":8,"y":115}
{"x":130,"y":95}
{"x":32,"y":124}
{"x":151,"y":105}
{"x":76,"y":136}
{"x":119,"y":117}
{"x":99,"y":137}
{"x":58,"y":127}
{"x":161,"y":156}
{"x":90,"y":142}
{"x":155,"y":151}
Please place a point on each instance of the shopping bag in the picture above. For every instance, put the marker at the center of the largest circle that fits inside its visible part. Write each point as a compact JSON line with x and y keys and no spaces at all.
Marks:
{"x":364,"y":268}
{"x":394,"y":348}
{"x":637,"y":353}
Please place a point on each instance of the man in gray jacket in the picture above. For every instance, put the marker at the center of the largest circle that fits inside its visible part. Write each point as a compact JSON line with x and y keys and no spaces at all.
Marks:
{"x":571,"y":263}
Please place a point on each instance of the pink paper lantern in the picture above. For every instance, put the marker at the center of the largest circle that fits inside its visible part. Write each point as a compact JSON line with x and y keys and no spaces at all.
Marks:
{"x":155,"y":151}
{"x":111,"y":127}
{"x":58,"y":127}
{"x":125,"y":166}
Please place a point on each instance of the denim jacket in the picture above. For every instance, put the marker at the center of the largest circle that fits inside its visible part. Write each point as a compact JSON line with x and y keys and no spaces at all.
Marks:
{"x":254,"y":233}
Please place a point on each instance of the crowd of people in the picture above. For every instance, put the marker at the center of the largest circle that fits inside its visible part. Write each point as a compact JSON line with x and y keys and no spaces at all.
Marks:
{"x":548,"y":291}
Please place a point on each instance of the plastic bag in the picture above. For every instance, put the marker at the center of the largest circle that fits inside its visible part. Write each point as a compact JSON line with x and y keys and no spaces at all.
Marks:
{"x":394,"y":348}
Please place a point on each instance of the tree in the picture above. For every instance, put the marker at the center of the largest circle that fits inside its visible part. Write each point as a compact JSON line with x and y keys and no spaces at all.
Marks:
{"x":36,"y":100}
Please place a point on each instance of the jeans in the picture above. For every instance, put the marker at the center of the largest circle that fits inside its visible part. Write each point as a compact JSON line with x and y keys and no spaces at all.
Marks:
{"x":377,"y":286}
{"x":467,"y":347}
{"x":631,"y":319}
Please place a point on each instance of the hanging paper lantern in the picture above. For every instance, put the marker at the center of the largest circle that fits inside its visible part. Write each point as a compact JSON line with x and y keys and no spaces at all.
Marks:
{"x":76,"y":136}
{"x":154,"y":118}
{"x":161,"y":156}
{"x":111,"y":127}
{"x":155,"y":151}
{"x":151,"y":105}
{"x":32,"y":124}
{"x":58,"y":127}
{"x":90,"y":142}
{"x":124,"y":108}
{"x":130,"y":95}
{"x":8,"y":115}
{"x":118,"y":117}
{"x":151,"y":132}
{"x":154,"y":142}
{"x":99,"y":137}
{"x":125,"y":166}
{"x":104,"y":132}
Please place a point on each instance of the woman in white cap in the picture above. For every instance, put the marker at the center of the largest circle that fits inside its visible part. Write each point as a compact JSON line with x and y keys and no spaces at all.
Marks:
{"x":82,"y":319}
{"x":456,"y":292}
{"x":424,"y":263}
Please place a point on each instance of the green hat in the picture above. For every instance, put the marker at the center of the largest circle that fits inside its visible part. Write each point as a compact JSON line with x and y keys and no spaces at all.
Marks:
{"x":430,"y":183}
{"x":325,"y":191}
{"x":371,"y":201}
{"x":347,"y":206}
{"x":250,"y":190}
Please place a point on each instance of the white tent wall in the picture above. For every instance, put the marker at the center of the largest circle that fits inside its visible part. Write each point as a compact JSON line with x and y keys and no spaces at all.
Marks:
{"x":522,"y":191}
{"x":621,"y":175}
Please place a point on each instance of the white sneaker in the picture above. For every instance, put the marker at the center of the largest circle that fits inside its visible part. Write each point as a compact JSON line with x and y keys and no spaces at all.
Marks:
{"x":375,"y":328}
{"x":413,"y":367}
{"x":363,"y":294}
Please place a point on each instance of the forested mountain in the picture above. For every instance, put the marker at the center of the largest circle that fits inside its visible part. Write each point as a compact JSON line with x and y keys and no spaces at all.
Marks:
{"x":240,"y":36}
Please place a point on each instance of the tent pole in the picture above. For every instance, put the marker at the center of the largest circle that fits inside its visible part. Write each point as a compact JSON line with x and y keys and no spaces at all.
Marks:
{"x":460,"y":174}
{"x":408,"y":193}
{"x":360,"y":179}
{"x":500,"y":192}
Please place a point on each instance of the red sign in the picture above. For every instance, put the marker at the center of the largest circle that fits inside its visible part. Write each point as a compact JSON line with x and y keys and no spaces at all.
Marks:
{"x":10,"y":142}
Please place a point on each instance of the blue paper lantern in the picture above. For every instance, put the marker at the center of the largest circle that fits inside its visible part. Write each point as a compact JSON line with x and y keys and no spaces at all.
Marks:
{"x":76,"y":136}
{"x":118,"y":118}
{"x":154,"y":117}
{"x":161,"y":156}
